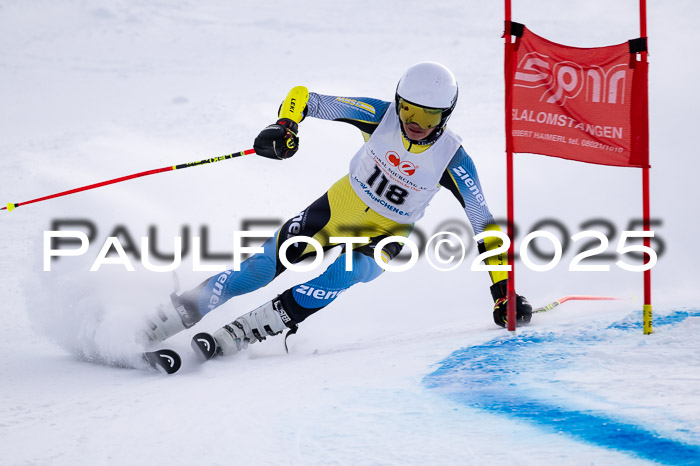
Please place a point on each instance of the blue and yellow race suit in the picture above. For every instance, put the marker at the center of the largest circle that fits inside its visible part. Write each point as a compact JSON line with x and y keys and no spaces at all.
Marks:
{"x":340,"y":212}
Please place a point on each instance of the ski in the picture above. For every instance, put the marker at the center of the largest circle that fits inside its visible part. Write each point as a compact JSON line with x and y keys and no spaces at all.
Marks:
{"x":165,"y":359}
{"x":204,"y":346}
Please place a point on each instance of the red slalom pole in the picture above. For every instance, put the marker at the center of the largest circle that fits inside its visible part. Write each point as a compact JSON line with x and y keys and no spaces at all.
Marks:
{"x":11,"y":206}
{"x":508,"y":69}
{"x":647,"y":327}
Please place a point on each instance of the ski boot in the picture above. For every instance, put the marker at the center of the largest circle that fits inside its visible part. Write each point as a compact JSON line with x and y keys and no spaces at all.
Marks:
{"x":267,"y":320}
{"x":171,"y":319}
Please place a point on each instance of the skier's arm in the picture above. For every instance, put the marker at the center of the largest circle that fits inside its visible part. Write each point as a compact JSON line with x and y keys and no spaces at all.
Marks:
{"x":362,"y":112}
{"x":281,"y":141}
{"x":462,"y":180}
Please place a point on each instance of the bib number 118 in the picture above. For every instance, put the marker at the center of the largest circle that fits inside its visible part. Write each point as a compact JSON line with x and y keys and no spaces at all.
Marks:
{"x":393,"y":193}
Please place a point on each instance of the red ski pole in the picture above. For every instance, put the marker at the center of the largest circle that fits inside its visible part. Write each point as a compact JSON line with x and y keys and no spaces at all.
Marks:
{"x":11,"y":206}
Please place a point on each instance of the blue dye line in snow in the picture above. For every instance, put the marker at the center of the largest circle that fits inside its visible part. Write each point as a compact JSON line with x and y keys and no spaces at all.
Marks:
{"x":484,"y":377}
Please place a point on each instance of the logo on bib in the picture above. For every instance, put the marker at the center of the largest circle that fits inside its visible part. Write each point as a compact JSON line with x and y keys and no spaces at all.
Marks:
{"x":405,"y":167}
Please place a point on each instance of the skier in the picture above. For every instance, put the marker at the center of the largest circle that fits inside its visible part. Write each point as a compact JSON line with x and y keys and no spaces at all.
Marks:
{"x":408,"y":154}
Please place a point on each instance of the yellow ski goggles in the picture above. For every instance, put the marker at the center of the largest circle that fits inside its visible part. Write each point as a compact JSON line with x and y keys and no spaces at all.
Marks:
{"x":426,"y":118}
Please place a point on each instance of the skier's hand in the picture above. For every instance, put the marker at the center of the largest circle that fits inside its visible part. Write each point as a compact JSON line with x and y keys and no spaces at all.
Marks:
{"x":278,"y":141}
{"x":523,"y":309}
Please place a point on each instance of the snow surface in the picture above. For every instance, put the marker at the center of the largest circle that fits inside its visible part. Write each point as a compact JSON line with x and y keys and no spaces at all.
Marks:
{"x":93,"y":90}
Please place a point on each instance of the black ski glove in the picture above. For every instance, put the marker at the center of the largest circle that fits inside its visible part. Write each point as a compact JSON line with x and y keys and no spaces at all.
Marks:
{"x":523,"y":309}
{"x":278,"y":141}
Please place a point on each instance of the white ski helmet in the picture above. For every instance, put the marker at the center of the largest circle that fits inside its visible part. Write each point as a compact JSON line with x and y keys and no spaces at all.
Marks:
{"x":432,"y":88}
